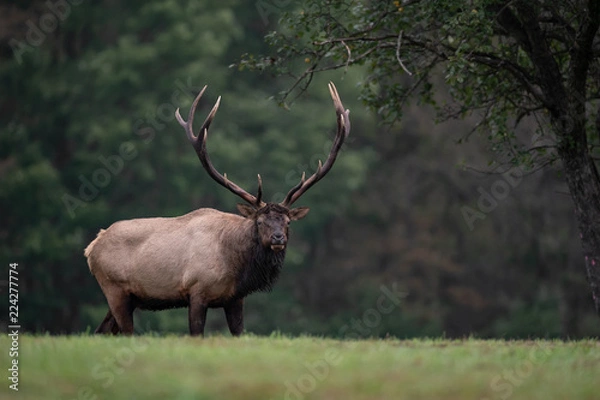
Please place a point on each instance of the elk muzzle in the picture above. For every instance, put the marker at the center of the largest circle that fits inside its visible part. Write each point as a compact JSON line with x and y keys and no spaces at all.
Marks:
{"x":278,"y":241}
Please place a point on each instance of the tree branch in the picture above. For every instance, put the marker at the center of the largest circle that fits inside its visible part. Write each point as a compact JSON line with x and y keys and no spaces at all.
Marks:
{"x":598,"y":122}
{"x":515,"y":70}
{"x":525,"y":29}
{"x":398,"y":54}
{"x":511,"y":26}
{"x":582,"y":53}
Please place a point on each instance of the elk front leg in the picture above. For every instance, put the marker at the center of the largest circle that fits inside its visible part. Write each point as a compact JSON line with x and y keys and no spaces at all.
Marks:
{"x":234,"y":312}
{"x":197,"y":316}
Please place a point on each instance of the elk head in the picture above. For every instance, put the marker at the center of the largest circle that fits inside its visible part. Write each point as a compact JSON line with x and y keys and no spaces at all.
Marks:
{"x":271,"y":219}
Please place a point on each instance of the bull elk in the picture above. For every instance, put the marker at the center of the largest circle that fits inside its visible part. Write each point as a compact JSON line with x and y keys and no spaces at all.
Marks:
{"x":206,"y":258}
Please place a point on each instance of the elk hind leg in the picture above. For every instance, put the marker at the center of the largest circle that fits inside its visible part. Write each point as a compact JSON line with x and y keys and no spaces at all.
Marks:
{"x":121,"y":308}
{"x":108,"y":325}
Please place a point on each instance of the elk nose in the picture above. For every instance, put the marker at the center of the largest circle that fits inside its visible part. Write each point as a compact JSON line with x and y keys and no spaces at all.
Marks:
{"x":278,"y":238}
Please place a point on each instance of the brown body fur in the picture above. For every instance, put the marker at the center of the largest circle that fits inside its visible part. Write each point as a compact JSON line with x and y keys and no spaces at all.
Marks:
{"x":206,"y":258}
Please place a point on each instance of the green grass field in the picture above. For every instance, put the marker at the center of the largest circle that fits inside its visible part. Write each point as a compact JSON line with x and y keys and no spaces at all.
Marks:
{"x":251,"y":367}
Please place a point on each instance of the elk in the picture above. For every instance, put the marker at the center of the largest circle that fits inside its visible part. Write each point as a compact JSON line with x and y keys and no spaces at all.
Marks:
{"x":206,"y":258}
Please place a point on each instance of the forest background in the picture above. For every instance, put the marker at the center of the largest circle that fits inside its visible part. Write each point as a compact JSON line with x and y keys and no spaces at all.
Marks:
{"x":88,"y":137}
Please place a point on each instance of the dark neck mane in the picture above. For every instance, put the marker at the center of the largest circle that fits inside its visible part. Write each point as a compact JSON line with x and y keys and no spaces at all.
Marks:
{"x":261,"y":269}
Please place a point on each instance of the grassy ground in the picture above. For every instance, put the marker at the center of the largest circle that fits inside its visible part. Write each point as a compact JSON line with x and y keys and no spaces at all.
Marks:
{"x":250,"y":367}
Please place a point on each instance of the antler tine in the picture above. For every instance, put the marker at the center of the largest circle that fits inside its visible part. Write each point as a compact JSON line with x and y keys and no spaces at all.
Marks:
{"x":293,"y":190}
{"x":188,"y":125}
{"x":199,"y":143}
{"x":343,"y":130}
{"x":339,"y":109}
{"x":259,"y":192}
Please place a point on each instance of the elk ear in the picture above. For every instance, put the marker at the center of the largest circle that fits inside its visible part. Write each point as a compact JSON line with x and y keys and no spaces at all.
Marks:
{"x":246,"y":210}
{"x":298,"y":213}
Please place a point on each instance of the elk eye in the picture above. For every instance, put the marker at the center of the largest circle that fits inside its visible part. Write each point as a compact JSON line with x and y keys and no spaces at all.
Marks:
{"x":259,"y":222}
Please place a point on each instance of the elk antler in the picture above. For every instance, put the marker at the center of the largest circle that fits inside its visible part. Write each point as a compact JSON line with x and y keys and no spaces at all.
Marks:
{"x":199,"y":143}
{"x":343,"y":130}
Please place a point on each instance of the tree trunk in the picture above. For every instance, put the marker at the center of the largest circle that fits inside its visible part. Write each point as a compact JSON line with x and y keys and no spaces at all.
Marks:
{"x":584,"y":185}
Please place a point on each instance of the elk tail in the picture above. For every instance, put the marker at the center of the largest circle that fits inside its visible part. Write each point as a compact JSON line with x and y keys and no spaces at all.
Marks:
{"x":90,"y":247}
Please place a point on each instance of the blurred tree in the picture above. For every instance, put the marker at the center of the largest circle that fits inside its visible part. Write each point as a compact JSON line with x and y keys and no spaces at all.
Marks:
{"x":88,"y":135}
{"x":89,"y":91}
{"x":506,"y":63}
